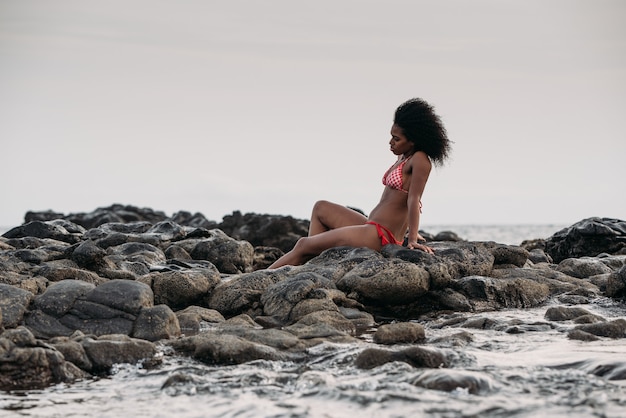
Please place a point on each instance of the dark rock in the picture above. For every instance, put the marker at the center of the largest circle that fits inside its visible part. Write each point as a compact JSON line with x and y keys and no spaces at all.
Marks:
{"x":538,"y":255}
{"x":589,"y":237}
{"x":196,"y":220}
{"x":265,"y":230}
{"x":39,"y":229}
{"x":59,"y":298}
{"x":116,"y":213}
{"x":13,"y":304}
{"x":89,"y":256}
{"x":124,"y":295}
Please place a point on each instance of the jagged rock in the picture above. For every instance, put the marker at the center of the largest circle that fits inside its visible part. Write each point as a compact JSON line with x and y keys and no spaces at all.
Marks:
{"x":265,"y":230}
{"x":27,"y":364}
{"x":589,"y":237}
{"x":280,"y":299}
{"x":47,"y":229}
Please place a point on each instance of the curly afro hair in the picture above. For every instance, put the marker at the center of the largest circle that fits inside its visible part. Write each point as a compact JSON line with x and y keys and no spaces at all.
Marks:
{"x":424,"y":129}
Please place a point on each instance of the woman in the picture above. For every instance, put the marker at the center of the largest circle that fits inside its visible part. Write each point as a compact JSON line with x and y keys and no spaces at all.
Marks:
{"x":419,"y":139}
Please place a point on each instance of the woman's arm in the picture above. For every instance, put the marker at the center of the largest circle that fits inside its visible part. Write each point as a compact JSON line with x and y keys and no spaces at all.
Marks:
{"x":420,"y":170}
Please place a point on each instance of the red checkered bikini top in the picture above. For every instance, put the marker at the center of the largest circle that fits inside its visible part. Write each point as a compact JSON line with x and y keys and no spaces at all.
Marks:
{"x":393,"y":176}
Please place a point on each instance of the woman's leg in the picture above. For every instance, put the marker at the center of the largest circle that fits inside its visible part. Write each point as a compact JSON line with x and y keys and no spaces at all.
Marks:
{"x":327,"y":216}
{"x":309,"y":247}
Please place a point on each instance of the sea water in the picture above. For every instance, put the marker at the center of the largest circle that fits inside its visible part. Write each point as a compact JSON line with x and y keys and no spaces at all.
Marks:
{"x":538,"y":372}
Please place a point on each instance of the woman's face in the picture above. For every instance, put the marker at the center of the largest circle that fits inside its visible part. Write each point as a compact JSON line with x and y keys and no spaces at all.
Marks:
{"x":398,"y":143}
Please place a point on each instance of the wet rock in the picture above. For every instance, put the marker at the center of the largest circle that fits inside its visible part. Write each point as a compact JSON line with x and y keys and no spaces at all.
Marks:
{"x":25,"y":364}
{"x":580,"y":335}
{"x":225,"y":349}
{"x":109,"y":350}
{"x":612,"y":329}
{"x":73,"y":351}
{"x":13,"y":304}
{"x":564,"y":313}
{"x":490,"y":293}
{"x":399,"y":333}
{"x":448,"y":380}
{"x":589,"y":237}
{"x":415,"y":356}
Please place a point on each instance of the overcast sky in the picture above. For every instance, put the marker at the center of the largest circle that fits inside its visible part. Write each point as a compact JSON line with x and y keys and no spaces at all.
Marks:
{"x":268,"y":106}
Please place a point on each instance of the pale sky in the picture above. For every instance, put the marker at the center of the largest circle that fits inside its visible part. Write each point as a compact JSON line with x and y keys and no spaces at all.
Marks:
{"x":267,"y":106}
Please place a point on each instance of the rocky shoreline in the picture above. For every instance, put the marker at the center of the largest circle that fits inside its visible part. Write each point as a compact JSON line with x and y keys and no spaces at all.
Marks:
{"x":80,"y":293}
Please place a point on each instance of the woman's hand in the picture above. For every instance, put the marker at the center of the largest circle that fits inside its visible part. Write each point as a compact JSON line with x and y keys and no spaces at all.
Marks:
{"x":420,"y":244}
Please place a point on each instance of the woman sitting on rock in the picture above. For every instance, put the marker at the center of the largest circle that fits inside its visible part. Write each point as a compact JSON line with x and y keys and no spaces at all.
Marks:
{"x":419,"y":139}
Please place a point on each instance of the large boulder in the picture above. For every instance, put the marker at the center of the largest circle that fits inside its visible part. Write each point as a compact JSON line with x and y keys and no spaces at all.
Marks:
{"x":589,"y":237}
{"x":227,"y":254}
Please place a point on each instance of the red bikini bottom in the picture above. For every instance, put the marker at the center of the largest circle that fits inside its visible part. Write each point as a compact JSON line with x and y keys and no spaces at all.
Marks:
{"x":384,"y":239}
